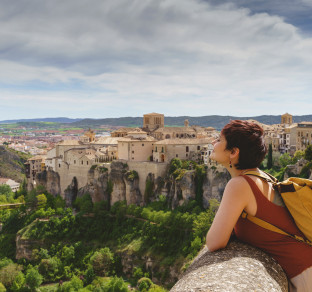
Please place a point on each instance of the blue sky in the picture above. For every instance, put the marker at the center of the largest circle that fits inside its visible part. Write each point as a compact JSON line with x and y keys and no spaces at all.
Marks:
{"x":99,"y":59}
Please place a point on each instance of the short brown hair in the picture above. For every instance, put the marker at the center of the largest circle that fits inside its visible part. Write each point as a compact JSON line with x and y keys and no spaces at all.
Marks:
{"x":248,"y":138}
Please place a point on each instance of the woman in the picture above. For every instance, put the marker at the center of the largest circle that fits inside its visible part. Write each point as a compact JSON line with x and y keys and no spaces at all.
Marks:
{"x":241,"y":148}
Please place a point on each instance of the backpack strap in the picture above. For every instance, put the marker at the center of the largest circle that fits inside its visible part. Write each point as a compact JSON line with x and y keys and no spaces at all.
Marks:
{"x":262,"y":174}
{"x":272,"y":227}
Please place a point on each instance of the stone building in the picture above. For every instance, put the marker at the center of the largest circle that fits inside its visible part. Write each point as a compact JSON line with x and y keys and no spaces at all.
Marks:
{"x":33,"y":166}
{"x":10,"y":182}
{"x":137,"y":146}
{"x":153,"y":121}
{"x":286,"y":119}
{"x":165,"y":150}
{"x":303,"y":133}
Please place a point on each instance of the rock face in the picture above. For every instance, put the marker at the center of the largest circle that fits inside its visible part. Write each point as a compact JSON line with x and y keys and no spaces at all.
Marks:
{"x":184,"y":189}
{"x":96,"y":186}
{"x":125,"y":184}
{"x":238,"y":267}
{"x":71,"y":192}
{"x":119,"y":183}
{"x":50,"y":180}
{"x":214,"y":185}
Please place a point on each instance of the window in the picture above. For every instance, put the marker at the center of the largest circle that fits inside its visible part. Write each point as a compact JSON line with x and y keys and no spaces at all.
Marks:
{"x":132,"y":152}
{"x":177,"y":155}
{"x":59,"y":165}
{"x":81,"y":161}
{"x":156,"y":149}
{"x":187,"y":149}
{"x":142,"y":144}
{"x":162,"y":149}
{"x":74,"y":161}
{"x":87,"y":162}
{"x":198,"y":147}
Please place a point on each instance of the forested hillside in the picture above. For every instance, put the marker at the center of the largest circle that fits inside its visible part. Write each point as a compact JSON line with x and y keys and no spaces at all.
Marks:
{"x":12,"y":163}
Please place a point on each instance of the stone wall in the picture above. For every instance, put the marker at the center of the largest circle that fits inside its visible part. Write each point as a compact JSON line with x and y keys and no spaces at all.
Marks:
{"x":238,"y":267}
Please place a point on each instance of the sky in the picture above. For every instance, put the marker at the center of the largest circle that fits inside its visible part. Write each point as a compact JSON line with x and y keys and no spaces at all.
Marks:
{"x":117,"y":58}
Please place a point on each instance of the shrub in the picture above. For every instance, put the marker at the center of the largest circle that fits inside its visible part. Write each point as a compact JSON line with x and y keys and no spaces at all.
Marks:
{"x":2,"y":288}
{"x":84,"y":204}
{"x":33,"y":278}
{"x":75,"y":284}
{"x":49,"y":268}
{"x":117,"y":285}
{"x":144,"y":284}
{"x":9,"y":273}
{"x":19,"y":282}
{"x":102,"y":261}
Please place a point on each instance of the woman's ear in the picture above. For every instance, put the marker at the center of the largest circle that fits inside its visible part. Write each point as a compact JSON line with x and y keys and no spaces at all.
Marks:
{"x":234,"y":153}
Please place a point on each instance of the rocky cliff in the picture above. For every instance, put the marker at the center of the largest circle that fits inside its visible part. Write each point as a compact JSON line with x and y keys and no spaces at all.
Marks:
{"x":119,"y":183}
{"x":50,"y":180}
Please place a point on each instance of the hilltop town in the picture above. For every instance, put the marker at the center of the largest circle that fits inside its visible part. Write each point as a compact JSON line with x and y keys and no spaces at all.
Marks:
{"x":150,"y":148}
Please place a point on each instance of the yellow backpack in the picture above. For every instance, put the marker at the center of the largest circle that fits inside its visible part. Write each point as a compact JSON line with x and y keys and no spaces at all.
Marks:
{"x":297,"y":196}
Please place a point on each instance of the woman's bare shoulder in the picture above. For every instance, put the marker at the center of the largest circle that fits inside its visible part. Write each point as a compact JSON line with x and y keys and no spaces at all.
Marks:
{"x":237,"y":185}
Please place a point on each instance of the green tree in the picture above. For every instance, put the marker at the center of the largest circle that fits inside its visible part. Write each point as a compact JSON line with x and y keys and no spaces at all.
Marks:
{"x":33,"y":278}
{"x":7,"y":192}
{"x":102,"y":261}
{"x":298,"y":155}
{"x":270,"y":157}
{"x":19,"y":282}
{"x":41,"y":200}
{"x":285,"y":159}
{"x":144,"y":284}
{"x":116,"y":285}
{"x":9,"y":273}
{"x":84,"y":204}
{"x":75,"y":284}
{"x":308,"y":153}
{"x":2,"y":288}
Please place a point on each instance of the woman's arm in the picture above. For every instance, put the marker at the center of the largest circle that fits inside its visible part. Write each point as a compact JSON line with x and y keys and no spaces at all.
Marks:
{"x":235,"y":198}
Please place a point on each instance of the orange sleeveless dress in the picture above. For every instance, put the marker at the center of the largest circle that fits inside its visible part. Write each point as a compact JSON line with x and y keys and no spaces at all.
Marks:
{"x":293,"y":256}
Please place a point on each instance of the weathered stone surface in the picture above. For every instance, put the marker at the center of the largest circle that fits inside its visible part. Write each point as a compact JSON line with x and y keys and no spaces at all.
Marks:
{"x":214,"y":185}
{"x":238,"y":267}
{"x":50,"y":180}
{"x":96,"y":185}
{"x":70,"y":194}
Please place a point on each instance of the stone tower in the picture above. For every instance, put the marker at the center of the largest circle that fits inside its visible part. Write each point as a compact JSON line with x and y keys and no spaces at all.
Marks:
{"x":153,"y":121}
{"x":286,"y":119}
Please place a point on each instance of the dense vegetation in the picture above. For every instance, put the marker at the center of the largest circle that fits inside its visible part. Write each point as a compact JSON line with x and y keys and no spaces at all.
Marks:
{"x":12,"y":163}
{"x":84,"y":251}
{"x":279,"y":165}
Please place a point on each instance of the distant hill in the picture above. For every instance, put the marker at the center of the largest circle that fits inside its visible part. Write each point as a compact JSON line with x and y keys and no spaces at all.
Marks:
{"x":54,"y":120}
{"x":215,"y":121}
{"x":12,"y":163}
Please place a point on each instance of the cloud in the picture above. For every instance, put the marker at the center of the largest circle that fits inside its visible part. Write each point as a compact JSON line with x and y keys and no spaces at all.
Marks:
{"x":127,"y":57}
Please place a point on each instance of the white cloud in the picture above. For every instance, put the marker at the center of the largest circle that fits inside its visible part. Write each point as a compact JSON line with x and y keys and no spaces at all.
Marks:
{"x":181,"y":57}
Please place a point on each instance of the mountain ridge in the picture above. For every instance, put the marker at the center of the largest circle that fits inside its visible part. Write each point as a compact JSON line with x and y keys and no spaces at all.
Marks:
{"x":216,"y":121}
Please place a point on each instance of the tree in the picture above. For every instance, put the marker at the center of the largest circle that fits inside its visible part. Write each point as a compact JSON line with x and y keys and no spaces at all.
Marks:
{"x":270,"y":157}
{"x":9,"y":273}
{"x":33,"y":278}
{"x":308,"y":153}
{"x":2,"y":288}
{"x":101,"y":261}
{"x":117,"y":285}
{"x":41,"y":200}
{"x":19,"y":282}
{"x":285,"y":159}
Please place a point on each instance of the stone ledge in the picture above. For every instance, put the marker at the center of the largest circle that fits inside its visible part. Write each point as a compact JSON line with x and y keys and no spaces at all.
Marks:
{"x":238,"y":267}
